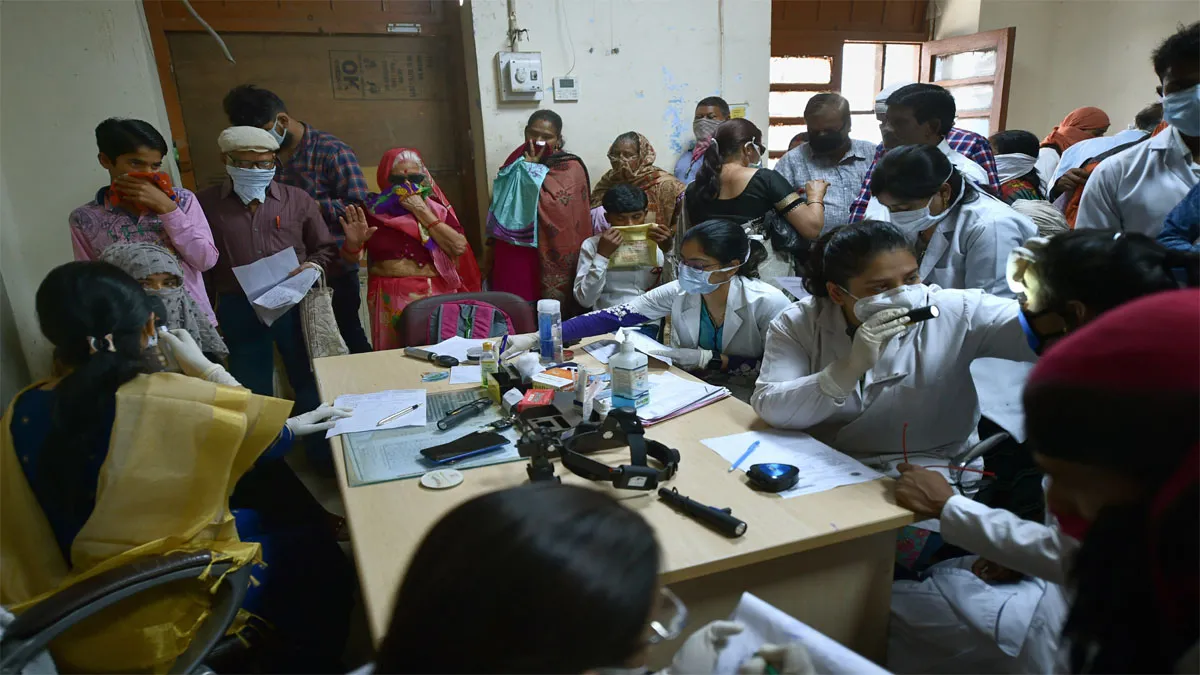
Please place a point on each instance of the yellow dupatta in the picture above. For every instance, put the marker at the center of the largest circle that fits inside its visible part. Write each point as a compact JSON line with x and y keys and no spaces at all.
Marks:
{"x":178,"y":447}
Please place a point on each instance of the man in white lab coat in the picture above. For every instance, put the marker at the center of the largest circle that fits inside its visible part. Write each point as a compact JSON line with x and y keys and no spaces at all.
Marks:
{"x":1135,"y":190}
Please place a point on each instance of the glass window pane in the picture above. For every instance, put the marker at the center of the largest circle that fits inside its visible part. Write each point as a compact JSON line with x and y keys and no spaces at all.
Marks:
{"x":858,"y":74}
{"x":900,"y":64}
{"x":972,"y":97}
{"x":865,"y":128}
{"x":778,"y":137}
{"x":788,"y":103}
{"x":965,"y":64}
{"x":801,"y":69}
{"x":980,"y":125}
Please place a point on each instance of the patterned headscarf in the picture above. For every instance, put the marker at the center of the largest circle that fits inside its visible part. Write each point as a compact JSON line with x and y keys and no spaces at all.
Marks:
{"x":140,"y":260}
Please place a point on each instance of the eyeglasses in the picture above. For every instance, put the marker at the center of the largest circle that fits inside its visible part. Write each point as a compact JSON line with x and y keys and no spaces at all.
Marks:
{"x":668,"y":618}
{"x":247,"y":164}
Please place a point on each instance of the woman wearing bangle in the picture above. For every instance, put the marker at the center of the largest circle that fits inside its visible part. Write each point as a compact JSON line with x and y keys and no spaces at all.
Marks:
{"x":415,"y":244}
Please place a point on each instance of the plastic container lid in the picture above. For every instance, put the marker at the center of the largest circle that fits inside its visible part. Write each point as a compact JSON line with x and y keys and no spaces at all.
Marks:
{"x":549,"y":306}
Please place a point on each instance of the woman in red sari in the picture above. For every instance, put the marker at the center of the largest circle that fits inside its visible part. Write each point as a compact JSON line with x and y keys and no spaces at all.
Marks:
{"x":415,"y":244}
{"x":540,"y":217}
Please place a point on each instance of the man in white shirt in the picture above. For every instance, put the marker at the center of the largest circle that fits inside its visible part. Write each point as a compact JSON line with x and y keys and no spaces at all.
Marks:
{"x":830,"y":155}
{"x":596,"y":286}
{"x":1135,"y":190}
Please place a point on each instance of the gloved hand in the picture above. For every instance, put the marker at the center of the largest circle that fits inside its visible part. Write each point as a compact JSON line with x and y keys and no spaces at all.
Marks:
{"x":838,"y":379}
{"x":699,"y":653}
{"x":688,"y":359}
{"x":183,"y":348}
{"x":321,"y":419}
{"x":520,"y":343}
{"x":789,"y":659}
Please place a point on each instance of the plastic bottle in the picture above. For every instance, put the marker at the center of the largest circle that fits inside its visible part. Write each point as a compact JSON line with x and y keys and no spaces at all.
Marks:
{"x":630,"y":372}
{"x":550,"y":331}
{"x":487,"y":363}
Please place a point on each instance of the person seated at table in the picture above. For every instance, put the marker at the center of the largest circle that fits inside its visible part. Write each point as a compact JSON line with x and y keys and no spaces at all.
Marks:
{"x":111,"y":462}
{"x":595,"y":285}
{"x":1016,"y":165}
{"x":1111,"y":415}
{"x":718,"y":306}
{"x":572,"y":587}
{"x":632,"y":158}
{"x":847,"y":366}
{"x":415,"y":245}
{"x":161,"y":276}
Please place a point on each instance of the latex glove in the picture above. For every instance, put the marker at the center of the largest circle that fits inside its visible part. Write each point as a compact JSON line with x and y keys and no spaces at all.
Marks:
{"x":688,"y":359}
{"x":839,"y":378}
{"x":789,"y":659}
{"x":699,"y":653}
{"x":321,"y":419}
{"x":183,"y":348}
{"x":520,"y":343}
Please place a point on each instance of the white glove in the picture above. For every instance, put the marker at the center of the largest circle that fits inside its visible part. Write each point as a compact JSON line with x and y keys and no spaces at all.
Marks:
{"x":520,"y":343}
{"x":688,"y":359}
{"x":789,"y":659}
{"x":839,"y":378}
{"x":182,"y":347}
{"x":699,"y":653}
{"x":321,"y":419}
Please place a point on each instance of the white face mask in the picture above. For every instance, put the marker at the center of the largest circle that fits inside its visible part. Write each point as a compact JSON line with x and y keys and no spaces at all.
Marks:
{"x":250,"y":184}
{"x":908,"y":297}
{"x":912,"y":223}
{"x":279,"y":137}
{"x":759,"y":150}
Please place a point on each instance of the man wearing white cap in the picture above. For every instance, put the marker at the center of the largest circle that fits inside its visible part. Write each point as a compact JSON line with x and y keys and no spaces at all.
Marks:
{"x":958,"y":144}
{"x":253,"y":217}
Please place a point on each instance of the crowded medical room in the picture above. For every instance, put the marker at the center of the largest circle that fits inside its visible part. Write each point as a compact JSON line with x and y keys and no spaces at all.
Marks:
{"x":605,"y":337}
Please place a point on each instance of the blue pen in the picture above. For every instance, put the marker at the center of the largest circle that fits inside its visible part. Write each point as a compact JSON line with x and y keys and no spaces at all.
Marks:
{"x":741,"y":459}
{"x":503,"y":344}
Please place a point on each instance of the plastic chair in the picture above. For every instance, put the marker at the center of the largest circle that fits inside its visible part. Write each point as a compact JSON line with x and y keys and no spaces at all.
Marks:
{"x":39,"y":625}
{"x":414,"y":321}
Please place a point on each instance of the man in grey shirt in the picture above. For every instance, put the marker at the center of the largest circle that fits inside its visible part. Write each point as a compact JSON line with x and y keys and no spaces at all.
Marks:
{"x":830,"y":155}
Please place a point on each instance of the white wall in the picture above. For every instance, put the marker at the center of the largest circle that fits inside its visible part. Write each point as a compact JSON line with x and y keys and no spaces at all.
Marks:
{"x":642,"y":66}
{"x":64,"y":66}
{"x":954,"y":17}
{"x":1073,"y":53}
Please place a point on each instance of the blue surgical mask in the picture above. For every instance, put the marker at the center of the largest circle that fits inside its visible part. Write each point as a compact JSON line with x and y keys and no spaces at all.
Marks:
{"x":279,"y":138}
{"x":695,"y":281}
{"x":1181,"y":109}
{"x":250,"y":184}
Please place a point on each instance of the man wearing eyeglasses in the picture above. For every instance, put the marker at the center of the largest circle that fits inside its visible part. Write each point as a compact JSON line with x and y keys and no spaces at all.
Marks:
{"x":253,"y":217}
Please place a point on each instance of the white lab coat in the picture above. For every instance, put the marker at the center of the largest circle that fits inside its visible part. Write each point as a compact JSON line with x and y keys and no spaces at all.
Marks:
{"x":970,"y":245}
{"x":749,"y":310}
{"x":965,"y":165}
{"x":1133,"y":191}
{"x":923,"y":377}
{"x":599,"y":287}
{"x":1047,"y":162}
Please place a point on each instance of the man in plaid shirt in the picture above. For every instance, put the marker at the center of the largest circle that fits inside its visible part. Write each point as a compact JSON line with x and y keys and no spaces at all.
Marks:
{"x":327,"y":169}
{"x":960,"y":142}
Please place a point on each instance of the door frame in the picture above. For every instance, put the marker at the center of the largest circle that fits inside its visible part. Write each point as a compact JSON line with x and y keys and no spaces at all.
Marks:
{"x":446,"y":23}
{"x":1002,"y":41}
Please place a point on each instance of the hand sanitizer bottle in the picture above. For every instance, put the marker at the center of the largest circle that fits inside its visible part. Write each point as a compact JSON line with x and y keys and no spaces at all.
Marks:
{"x":629,"y":370}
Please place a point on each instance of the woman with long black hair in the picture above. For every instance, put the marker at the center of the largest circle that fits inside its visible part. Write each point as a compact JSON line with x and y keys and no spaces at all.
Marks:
{"x":733,"y":184}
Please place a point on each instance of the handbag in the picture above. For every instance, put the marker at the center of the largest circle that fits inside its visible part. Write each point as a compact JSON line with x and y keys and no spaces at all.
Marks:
{"x":321,"y":334}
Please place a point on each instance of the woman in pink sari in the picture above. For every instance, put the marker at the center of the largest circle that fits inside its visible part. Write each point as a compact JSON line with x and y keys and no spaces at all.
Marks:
{"x":415,"y":244}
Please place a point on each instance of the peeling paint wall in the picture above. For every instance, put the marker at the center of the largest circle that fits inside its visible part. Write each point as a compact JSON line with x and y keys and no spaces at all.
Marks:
{"x":642,"y":66}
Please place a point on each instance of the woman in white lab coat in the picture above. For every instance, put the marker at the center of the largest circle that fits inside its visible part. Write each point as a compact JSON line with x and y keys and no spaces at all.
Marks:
{"x":719,"y":308}
{"x":1111,"y":413}
{"x":962,"y":234}
{"x":846,"y":365}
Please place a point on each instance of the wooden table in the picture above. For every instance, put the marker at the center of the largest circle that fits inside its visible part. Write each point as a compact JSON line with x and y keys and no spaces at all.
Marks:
{"x":824,"y":558}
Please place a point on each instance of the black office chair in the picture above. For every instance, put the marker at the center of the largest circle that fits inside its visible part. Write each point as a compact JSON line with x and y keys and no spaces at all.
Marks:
{"x":39,"y":625}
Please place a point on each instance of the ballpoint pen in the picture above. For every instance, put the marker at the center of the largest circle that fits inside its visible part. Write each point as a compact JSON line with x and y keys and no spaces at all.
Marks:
{"x":736,"y":464}
{"x":393,"y":416}
{"x":503,"y":345}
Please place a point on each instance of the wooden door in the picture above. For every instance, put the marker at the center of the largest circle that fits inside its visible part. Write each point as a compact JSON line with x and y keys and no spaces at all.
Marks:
{"x":976,"y":69}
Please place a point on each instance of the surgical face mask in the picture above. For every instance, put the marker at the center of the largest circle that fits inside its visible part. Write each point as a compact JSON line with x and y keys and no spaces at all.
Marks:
{"x":279,"y":138}
{"x":1181,"y":109}
{"x":912,"y":223}
{"x":250,"y":184}
{"x":758,"y":149}
{"x":907,"y":297}
{"x":704,"y":128}
{"x":695,"y":281}
{"x":826,"y":141}
{"x":1042,"y":328}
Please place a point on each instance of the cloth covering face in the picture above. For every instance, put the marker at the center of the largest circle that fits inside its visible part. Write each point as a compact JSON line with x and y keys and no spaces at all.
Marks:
{"x":661,"y":187}
{"x":1079,"y":125}
{"x":140,"y":260}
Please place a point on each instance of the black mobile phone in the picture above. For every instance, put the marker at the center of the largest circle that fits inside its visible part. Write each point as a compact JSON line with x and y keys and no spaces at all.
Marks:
{"x":467,"y":446}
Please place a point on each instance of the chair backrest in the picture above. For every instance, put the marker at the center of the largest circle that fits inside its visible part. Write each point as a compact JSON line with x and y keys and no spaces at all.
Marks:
{"x":472,"y":315}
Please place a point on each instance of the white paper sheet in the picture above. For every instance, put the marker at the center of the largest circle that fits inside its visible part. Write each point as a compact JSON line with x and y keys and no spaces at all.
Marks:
{"x":821,"y":467}
{"x":262,"y":276}
{"x":767,"y":624}
{"x":671,"y":393}
{"x":466,"y":375}
{"x":290,"y":291}
{"x":793,"y":285}
{"x":457,"y":347}
{"x":603,"y":350}
{"x":370,"y":408}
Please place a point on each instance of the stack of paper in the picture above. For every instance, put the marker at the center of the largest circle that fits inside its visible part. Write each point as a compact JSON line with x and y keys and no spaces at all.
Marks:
{"x":603,"y":350}
{"x":672,"y":396}
{"x":370,"y":409}
{"x":821,"y":467}
{"x":458,"y":346}
{"x":271,"y":291}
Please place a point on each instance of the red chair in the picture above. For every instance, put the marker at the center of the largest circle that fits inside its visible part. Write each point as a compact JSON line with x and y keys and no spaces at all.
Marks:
{"x":416,"y":321}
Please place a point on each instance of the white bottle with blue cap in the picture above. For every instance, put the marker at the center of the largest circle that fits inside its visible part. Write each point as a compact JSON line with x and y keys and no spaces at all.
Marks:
{"x":629,"y":370}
